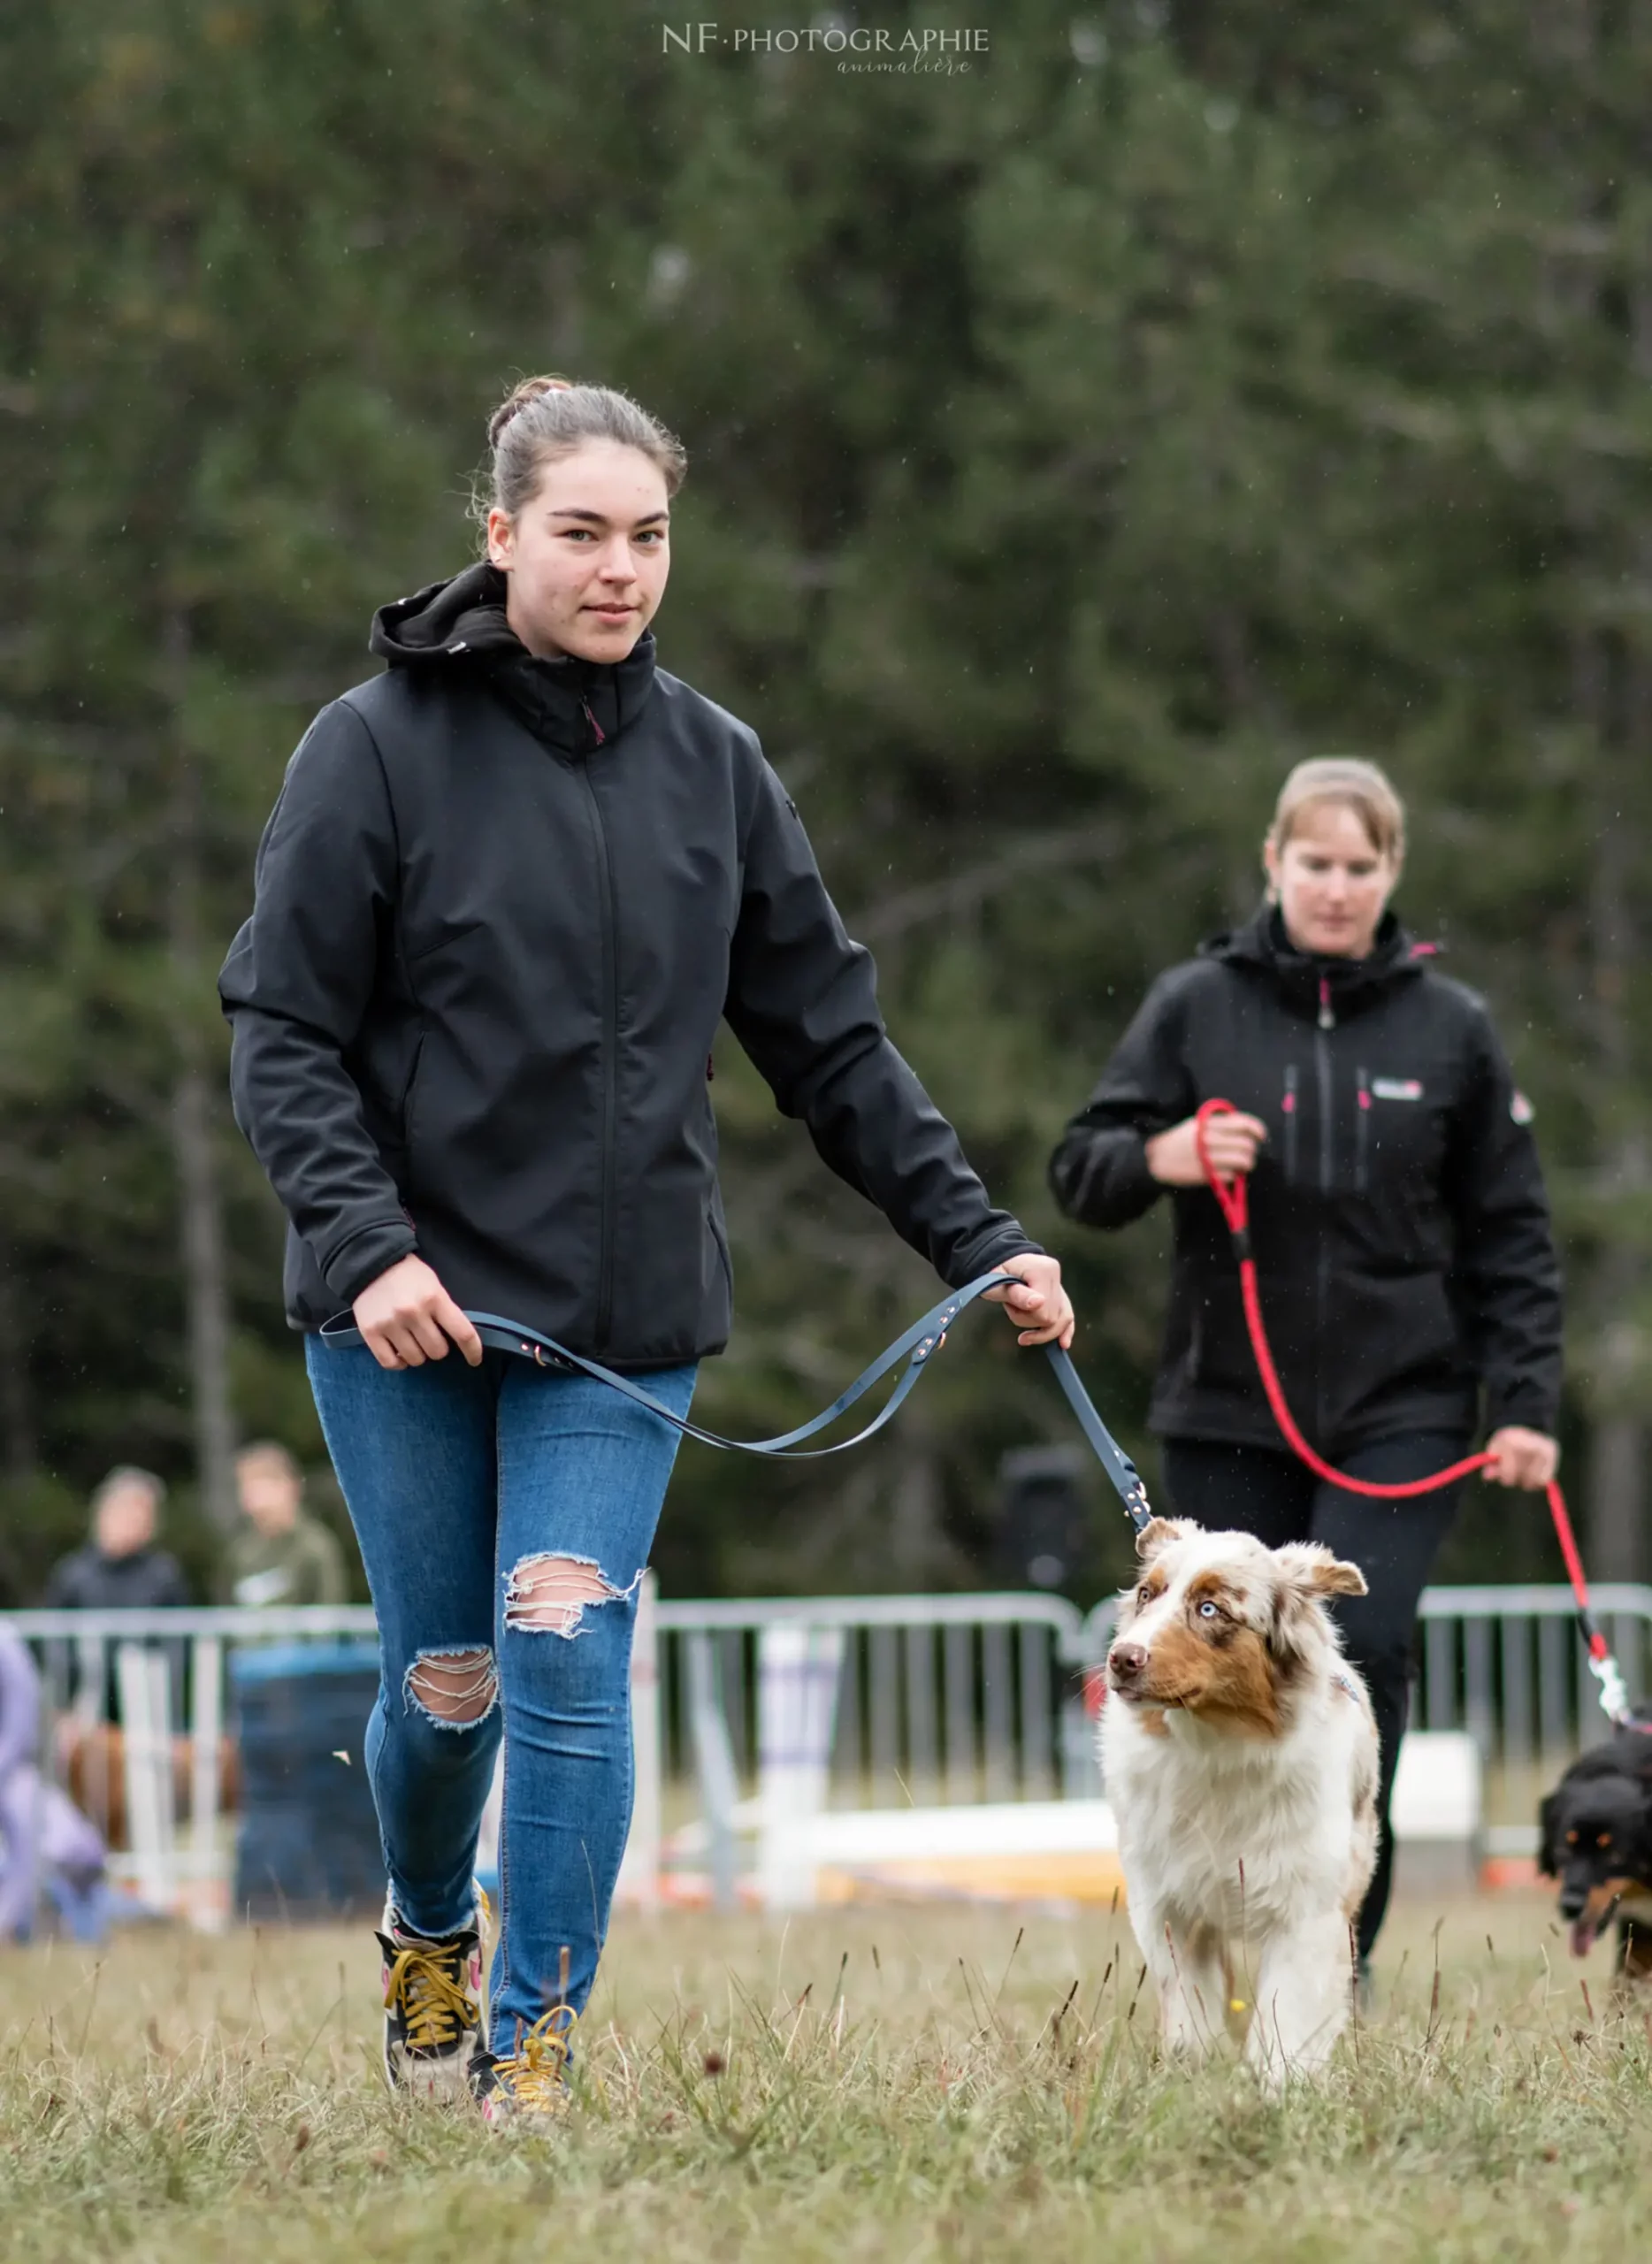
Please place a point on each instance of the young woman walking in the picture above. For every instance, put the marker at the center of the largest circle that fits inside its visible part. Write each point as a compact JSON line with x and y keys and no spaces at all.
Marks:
{"x":1403,"y":1246}
{"x":509,"y":888}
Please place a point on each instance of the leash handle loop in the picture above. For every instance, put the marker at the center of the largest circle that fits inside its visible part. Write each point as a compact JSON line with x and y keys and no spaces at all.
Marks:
{"x":1231,"y":1192}
{"x":916,"y":1345}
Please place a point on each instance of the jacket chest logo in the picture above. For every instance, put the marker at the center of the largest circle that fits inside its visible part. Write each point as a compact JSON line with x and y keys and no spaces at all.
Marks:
{"x":1396,"y":1088}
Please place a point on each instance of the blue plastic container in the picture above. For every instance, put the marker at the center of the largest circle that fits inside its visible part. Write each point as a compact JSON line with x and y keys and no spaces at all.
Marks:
{"x":307,"y":1845}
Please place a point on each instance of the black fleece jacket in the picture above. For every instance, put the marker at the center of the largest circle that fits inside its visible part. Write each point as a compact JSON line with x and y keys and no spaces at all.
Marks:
{"x":147,"y":1579}
{"x":501,"y":904}
{"x":1399,"y":1220}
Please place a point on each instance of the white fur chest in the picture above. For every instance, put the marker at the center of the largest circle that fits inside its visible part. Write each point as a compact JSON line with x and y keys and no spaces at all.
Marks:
{"x":1237,"y":1834}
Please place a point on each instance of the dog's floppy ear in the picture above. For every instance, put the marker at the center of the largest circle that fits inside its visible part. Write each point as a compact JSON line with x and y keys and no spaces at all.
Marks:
{"x":1310,"y":1570}
{"x":1548,"y":1836}
{"x":1156,"y":1535}
{"x":1638,"y":1848}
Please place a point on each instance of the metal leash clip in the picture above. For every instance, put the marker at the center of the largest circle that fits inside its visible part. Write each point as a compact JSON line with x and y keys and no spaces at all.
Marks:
{"x":542,"y":1357}
{"x":1614,"y":1690}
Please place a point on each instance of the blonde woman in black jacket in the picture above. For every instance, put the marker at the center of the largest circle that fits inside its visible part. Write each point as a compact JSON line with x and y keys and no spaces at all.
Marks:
{"x":1402,"y":1236}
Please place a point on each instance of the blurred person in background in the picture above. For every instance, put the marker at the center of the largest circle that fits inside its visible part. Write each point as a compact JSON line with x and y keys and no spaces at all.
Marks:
{"x":1407,"y":1269}
{"x":511,"y":889}
{"x":121,"y":1568}
{"x":279,"y":1554}
{"x":46,"y":1845}
{"x":20,"y":1788}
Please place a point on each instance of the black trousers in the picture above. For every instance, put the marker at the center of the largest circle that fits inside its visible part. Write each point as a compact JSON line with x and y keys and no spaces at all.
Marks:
{"x":1266,"y":1491}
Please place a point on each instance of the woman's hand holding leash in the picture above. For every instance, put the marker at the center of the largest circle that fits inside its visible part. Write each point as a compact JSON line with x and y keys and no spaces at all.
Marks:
{"x":1041,"y":1309}
{"x":1232,"y":1139}
{"x":406,"y":1318}
{"x":1521,"y":1457}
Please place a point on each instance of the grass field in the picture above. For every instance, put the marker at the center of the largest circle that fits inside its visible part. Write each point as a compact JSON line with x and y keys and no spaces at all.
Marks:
{"x":903,"y":2082}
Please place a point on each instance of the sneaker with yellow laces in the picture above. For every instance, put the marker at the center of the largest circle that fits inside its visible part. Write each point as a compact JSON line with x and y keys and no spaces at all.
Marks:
{"x":435,"y":1996}
{"x":531,"y":2083}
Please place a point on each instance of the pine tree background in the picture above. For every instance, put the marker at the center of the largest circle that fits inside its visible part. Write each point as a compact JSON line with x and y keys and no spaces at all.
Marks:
{"x":1076,"y":442}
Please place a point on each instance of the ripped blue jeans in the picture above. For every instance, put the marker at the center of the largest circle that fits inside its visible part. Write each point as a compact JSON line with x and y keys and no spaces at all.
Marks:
{"x":505,"y":1515}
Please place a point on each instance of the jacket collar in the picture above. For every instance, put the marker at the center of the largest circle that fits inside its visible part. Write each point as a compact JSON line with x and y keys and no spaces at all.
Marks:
{"x":574,"y":705}
{"x":1311,"y":985}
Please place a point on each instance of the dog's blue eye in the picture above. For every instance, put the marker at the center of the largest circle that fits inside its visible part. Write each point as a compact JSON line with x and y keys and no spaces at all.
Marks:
{"x":1208,"y":1610}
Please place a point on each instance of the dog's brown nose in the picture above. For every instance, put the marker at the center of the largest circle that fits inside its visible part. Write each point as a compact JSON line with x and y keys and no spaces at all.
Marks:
{"x":1127,"y":1661}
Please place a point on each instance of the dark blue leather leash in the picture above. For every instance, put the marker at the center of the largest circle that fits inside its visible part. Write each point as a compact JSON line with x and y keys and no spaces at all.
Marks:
{"x":916,"y":1345}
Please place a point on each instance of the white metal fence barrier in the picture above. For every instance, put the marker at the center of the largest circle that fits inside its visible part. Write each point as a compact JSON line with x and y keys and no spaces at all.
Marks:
{"x":1508,"y":1665}
{"x":751,"y":1715}
{"x":939,"y":1698}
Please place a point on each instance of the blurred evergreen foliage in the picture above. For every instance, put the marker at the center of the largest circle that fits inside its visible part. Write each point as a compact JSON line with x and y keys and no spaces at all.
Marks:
{"x":1076,"y":442}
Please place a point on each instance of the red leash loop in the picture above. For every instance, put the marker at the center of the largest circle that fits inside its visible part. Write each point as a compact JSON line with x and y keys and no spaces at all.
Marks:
{"x":1234,"y":1193}
{"x":1234,"y":1196}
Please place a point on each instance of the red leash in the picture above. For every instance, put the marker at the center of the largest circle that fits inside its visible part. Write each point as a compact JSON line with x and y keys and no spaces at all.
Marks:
{"x":1234,"y":1196}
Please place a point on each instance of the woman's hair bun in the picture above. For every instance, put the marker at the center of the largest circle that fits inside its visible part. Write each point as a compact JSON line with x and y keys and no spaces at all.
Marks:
{"x":530,"y":389}
{"x":529,"y":431}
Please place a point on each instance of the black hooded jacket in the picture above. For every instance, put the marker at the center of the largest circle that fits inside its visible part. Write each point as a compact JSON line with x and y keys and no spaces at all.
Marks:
{"x":1397,"y":1215}
{"x":144,"y":1579}
{"x":501,"y":904}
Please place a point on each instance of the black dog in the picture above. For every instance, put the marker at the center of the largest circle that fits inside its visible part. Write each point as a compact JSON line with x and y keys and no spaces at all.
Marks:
{"x":1595,"y":1831}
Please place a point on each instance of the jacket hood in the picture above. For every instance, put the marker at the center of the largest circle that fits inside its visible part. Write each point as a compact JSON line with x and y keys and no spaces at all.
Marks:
{"x":573,"y":706}
{"x":1309,"y":982}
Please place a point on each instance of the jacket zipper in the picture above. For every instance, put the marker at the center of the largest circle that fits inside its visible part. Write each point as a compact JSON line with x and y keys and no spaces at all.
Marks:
{"x":1322,"y":1064}
{"x":1362,"y":1134}
{"x":609,"y":925}
{"x":1288,"y":1107}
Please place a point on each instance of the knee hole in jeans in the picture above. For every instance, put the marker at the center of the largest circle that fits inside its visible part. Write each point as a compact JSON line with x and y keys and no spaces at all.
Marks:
{"x":548,"y":1595}
{"x":455,"y":1689}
